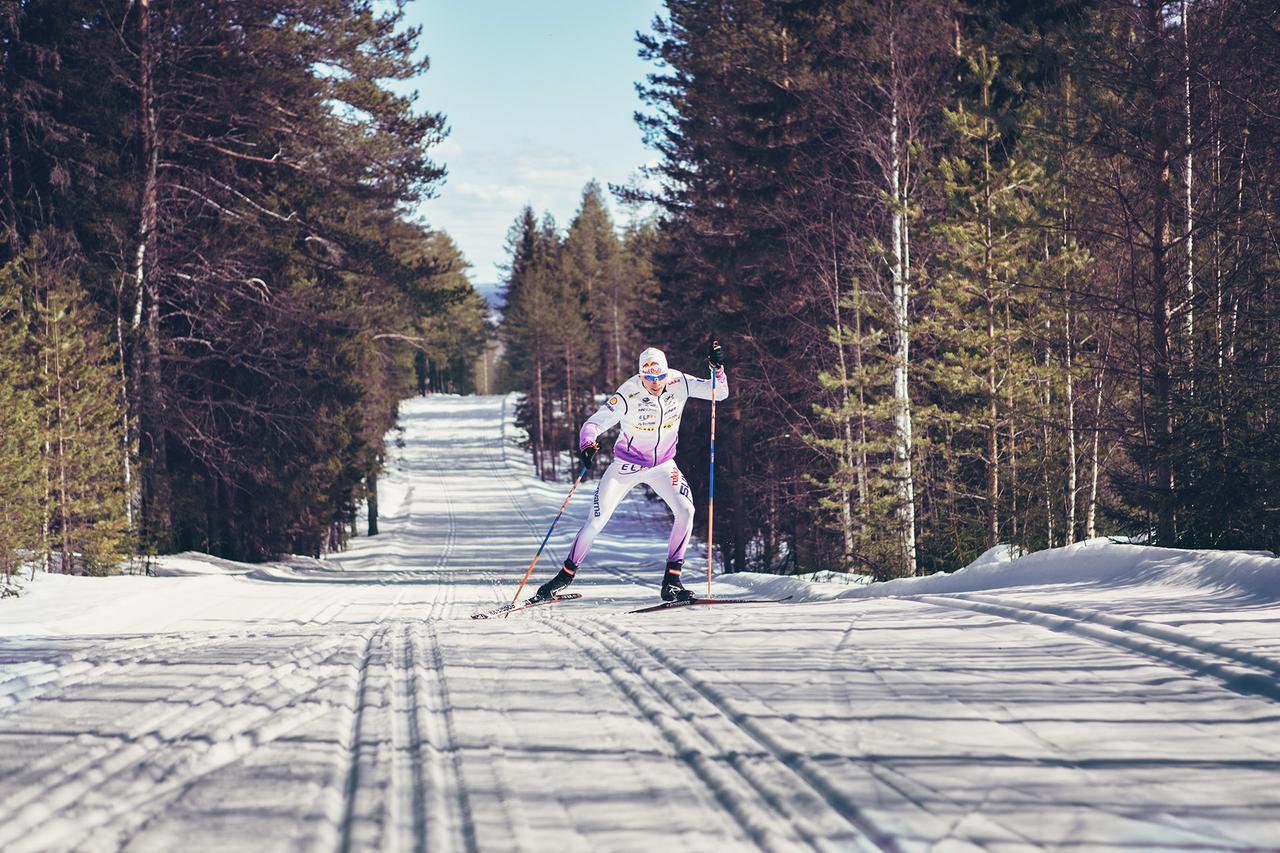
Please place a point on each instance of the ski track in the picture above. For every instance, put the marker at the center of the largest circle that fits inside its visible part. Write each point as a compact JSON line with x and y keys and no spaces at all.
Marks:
{"x":93,"y":790}
{"x":1239,"y":670}
{"x":361,"y":710}
{"x":442,"y":604}
{"x":406,"y":799}
{"x":761,"y":789}
{"x":359,"y":827}
{"x":453,"y":827}
{"x":860,"y":834}
{"x":947,"y":823}
{"x":31,"y":679}
{"x":911,"y":788}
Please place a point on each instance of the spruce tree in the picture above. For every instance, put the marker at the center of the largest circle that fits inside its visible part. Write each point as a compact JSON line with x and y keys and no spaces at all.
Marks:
{"x":985,"y":252}
{"x":529,"y":331}
{"x":728,"y":121}
{"x":993,"y":379}
{"x":21,"y":428}
{"x":591,"y":268}
{"x":82,"y":419}
{"x":454,"y":337}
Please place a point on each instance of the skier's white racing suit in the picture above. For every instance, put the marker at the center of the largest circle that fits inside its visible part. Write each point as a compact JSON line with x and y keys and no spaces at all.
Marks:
{"x":644,"y":453}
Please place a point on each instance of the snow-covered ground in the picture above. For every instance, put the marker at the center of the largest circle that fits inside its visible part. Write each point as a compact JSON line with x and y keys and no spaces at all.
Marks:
{"x":1094,"y":697}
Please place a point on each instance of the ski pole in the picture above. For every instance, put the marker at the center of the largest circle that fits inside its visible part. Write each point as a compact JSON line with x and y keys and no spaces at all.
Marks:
{"x":711,"y":489}
{"x":525,"y":579}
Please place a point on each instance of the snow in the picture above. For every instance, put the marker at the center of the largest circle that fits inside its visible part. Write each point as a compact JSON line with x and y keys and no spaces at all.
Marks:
{"x":1100,"y":696}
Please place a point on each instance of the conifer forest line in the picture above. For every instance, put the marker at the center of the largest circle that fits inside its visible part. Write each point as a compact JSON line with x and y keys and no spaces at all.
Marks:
{"x":983,"y":272}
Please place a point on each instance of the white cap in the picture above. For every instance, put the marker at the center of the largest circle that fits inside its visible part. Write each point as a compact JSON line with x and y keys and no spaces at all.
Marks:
{"x":653,"y":362}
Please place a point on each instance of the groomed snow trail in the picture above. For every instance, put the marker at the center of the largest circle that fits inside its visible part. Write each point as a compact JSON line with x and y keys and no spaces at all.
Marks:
{"x":351,"y":704}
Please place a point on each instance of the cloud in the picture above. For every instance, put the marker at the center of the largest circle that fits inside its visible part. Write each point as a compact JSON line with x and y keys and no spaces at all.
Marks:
{"x":447,"y":149}
{"x":513,"y":196}
{"x":487,"y":189}
{"x":555,"y":171}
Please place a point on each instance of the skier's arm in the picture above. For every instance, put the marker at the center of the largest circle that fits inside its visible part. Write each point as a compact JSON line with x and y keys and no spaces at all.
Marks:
{"x":704,"y":388}
{"x":701,"y":388}
{"x":605,"y":418}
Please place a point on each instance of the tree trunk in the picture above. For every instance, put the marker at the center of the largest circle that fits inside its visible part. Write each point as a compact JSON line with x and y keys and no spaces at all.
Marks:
{"x":1095,"y":462}
{"x":1239,"y":245}
{"x":1217,"y":238}
{"x":60,"y":414}
{"x":988,"y":287}
{"x":1046,"y":435}
{"x":1072,"y":476}
{"x":993,"y":432}
{"x":568,"y":409}
{"x":864,"y":508}
{"x":903,"y":444}
{"x":1187,"y":161}
{"x":127,"y":442}
{"x":1161,"y":306}
{"x":10,"y":211}
{"x":146,"y":315}
{"x":46,"y":511}
{"x":540,"y":443}
{"x":846,"y":428}
{"x":738,"y":522}
{"x":616,"y":375}
{"x":372,"y":502}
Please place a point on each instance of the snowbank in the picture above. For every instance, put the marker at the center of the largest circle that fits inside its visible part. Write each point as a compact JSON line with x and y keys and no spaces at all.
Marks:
{"x":996,"y":555}
{"x":1094,"y":564}
{"x":192,"y":563}
{"x":837,"y":578}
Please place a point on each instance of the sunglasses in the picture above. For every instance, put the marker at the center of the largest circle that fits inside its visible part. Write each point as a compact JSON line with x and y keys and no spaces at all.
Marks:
{"x":658,"y":377}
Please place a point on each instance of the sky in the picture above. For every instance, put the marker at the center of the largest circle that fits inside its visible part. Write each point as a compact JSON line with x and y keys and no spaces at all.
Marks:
{"x":539,"y":97}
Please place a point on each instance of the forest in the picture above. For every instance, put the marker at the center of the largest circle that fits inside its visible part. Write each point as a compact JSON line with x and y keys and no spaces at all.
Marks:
{"x":984,"y":272}
{"x":214,"y":288}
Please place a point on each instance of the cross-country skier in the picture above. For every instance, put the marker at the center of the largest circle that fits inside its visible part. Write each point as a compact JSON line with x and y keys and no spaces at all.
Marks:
{"x":648,"y":406}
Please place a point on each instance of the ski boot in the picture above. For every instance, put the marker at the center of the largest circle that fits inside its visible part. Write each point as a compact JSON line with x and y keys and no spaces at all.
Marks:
{"x":672,"y":589}
{"x":563,"y":578}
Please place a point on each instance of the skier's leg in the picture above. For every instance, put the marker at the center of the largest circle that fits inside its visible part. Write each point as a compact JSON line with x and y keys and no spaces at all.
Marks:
{"x":618,"y":479}
{"x":670,"y":484}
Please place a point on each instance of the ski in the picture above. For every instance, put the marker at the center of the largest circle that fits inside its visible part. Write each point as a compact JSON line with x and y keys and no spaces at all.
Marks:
{"x":672,"y":605}
{"x":515,"y":607}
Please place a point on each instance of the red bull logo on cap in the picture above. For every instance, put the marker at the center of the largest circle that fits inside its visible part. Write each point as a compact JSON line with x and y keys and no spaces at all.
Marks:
{"x":653,"y":364}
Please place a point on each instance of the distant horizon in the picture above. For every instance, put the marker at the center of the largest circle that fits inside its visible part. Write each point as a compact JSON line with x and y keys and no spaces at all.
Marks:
{"x":489,"y":290}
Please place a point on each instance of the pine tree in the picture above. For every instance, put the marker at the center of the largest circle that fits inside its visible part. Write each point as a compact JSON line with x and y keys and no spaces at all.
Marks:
{"x":270,"y":250}
{"x":233,"y":178}
{"x":451,"y":337}
{"x":591,"y":268}
{"x":20,"y":428}
{"x":728,"y":123}
{"x":530,"y":331}
{"x":82,"y":401}
{"x":856,"y":504}
{"x":980,"y":317}
{"x":583,"y":273}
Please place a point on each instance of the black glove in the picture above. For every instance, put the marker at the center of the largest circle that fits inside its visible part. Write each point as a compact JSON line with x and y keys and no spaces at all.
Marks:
{"x":715,"y":355}
{"x":588,"y":454}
